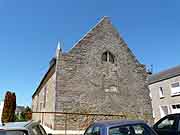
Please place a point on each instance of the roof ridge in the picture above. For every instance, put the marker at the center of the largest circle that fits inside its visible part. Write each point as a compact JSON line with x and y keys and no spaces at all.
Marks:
{"x":178,"y":66}
{"x":90,"y":30}
{"x":164,"y":75}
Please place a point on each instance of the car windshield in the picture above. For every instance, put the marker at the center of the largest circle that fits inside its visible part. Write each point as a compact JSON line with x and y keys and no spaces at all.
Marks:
{"x":13,"y":132}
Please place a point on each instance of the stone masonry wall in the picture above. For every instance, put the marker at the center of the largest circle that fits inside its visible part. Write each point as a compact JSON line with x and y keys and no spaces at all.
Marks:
{"x":86,"y":84}
{"x":38,"y":103}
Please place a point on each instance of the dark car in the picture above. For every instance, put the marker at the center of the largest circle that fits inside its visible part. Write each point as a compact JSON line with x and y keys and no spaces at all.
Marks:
{"x":168,"y":125}
{"x":120,"y":127}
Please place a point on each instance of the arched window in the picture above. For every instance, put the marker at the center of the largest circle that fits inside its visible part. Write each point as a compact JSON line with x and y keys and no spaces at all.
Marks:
{"x":104,"y":57}
{"x":108,"y":57}
{"x":111,"y":58}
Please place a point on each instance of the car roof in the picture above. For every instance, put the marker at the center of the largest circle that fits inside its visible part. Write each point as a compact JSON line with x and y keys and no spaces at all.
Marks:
{"x":17,"y":125}
{"x":111,"y":123}
{"x":174,"y":114}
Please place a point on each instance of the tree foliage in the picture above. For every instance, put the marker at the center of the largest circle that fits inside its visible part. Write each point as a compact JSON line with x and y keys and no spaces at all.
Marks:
{"x":28,"y":113}
{"x":25,"y":115}
{"x":8,"y":114}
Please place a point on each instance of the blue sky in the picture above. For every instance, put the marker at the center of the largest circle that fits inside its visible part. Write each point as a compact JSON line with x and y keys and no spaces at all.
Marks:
{"x":29,"y":31}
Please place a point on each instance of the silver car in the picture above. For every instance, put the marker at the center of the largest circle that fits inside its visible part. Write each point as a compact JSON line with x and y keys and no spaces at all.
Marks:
{"x":22,"y":128}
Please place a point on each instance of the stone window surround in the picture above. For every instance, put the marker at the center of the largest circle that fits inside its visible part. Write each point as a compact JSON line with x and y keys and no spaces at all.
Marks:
{"x":161,"y":92}
{"x":107,"y":56}
{"x":172,"y":105}
{"x":176,"y":105}
{"x":170,"y":86}
{"x":169,"y":107}
{"x":175,"y":83}
{"x":160,"y":108}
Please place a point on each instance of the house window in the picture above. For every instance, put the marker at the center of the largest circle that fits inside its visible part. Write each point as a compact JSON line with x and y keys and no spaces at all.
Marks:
{"x":164,"y":110}
{"x":45,"y":93}
{"x":175,"y":85}
{"x":161,"y":92}
{"x":175,"y":88}
{"x":108,"y":57}
{"x":37,"y":103}
{"x":176,"y":108}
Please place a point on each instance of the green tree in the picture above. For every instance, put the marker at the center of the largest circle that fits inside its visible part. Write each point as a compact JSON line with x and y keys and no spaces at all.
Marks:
{"x":25,"y":115}
{"x":20,"y":117}
{"x":8,"y":114}
{"x":28,"y":113}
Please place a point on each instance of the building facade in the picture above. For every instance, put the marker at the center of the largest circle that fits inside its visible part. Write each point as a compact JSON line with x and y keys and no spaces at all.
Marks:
{"x":1,"y":109}
{"x":165,"y":92}
{"x":99,"y":74}
{"x":19,"y":110}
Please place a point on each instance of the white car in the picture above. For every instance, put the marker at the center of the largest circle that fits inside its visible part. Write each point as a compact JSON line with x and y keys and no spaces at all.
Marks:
{"x":22,"y":128}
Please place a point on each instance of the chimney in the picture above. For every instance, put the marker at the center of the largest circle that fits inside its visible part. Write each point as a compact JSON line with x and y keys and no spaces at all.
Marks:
{"x":149,"y":69}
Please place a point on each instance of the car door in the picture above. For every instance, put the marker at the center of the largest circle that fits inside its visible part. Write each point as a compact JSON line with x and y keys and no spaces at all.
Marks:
{"x":167,"y":126}
{"x":133,"y":129}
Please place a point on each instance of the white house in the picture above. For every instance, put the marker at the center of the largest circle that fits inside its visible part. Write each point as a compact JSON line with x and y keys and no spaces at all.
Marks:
{"x":1,"y":108}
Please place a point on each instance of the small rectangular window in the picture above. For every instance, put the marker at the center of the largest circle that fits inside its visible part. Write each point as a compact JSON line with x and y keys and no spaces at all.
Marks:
{"x":161,"y":92}
{"x":37,"y":103}
{"x":174,"y":85}
{"x":164,"y":110}
{"x":178,"y":106}
{"x":175,"y":88}
{"x":174,"y":106}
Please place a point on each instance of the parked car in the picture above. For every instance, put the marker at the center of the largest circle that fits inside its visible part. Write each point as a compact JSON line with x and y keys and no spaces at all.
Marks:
{"x":22,"y":128}
{"x":168,"y":125}
{"x":120,"y":127}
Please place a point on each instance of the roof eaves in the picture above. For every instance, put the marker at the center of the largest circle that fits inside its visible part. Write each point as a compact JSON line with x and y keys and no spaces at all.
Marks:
{"x":162,"y":79}
{"x":164,"y":75}
{"x":44,"y":77}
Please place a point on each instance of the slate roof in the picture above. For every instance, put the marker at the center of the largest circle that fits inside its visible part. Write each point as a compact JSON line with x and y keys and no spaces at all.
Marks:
{"x":164,"y":75}
{"x":20,"y":108}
